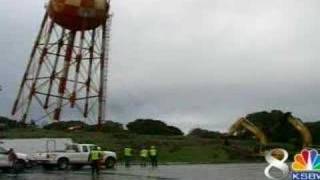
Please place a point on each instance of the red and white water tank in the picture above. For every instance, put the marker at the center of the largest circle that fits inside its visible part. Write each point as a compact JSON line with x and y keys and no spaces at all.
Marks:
{"x":78,"y":14}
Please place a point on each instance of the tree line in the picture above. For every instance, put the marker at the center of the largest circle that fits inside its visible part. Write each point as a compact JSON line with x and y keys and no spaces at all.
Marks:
{"x":139,"y":126}
{"x":273,"y":124}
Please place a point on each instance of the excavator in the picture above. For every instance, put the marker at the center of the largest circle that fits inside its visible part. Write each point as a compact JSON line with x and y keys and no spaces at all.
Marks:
{"x":244,"y":123}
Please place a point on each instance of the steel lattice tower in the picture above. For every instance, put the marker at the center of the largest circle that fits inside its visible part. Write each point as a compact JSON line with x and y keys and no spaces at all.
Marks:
{"x":65,"y":77}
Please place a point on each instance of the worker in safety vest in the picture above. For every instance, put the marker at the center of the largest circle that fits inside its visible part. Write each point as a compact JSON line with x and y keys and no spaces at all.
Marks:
{"x":95,"y":157}
{"x":153,"y":154}
{"x":143,"y":157}
{"x":127,"y":156}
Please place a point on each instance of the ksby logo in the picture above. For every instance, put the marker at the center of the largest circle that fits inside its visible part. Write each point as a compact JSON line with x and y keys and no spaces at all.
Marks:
{"x":306,"y":165}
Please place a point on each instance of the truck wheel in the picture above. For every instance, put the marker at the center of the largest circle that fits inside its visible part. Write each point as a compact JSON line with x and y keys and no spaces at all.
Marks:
{"x":110,"y":163}
{"x":63,"y":164}
{"x":19,"y":165}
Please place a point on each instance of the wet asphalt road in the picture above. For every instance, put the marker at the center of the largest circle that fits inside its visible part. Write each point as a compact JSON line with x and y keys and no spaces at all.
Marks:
{"x":173,"y":172}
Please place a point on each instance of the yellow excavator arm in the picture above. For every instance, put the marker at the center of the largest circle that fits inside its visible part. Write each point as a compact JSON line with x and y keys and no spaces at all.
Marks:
{"x":246,"y":124}
{"x":303,"y":130}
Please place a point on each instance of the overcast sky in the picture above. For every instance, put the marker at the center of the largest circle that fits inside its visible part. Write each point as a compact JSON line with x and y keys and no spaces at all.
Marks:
{"x":191,"y":63}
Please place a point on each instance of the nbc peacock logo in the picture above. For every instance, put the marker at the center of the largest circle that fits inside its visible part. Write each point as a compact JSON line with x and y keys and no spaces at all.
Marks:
{"x":306,"y":165}
{"x":307,"y":160}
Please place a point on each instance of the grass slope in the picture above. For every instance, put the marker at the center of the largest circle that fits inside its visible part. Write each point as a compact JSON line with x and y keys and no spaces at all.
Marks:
{"x":171,"y":148}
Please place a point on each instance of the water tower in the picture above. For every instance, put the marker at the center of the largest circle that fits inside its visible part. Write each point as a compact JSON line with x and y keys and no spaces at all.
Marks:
{"x":65,"y":78}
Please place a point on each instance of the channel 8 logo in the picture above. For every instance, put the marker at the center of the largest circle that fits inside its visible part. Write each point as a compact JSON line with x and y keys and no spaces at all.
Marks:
{"x":277,"y":160}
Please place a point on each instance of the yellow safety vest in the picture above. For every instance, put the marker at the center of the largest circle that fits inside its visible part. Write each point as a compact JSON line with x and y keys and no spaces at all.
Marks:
{"x":95,"y":155}
{"x":127,"y":151}
{"x":144,"y":153}
{"x":153,"y":152}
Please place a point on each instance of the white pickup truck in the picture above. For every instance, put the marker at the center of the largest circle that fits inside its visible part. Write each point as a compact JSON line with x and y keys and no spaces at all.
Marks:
{"x":21,"y":163}
{"x":75,"y":155}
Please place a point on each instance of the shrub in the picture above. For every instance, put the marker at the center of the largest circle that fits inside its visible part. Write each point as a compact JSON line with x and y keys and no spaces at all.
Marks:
{"x":152,"y":127}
